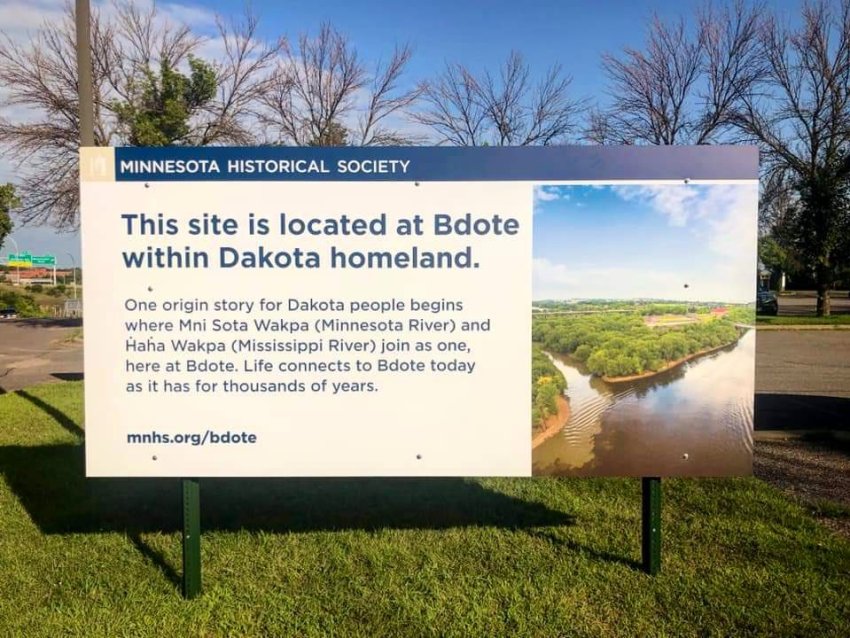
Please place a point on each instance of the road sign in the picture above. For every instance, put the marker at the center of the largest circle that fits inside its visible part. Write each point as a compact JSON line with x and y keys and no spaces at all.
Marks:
{"x":19,"y":260}
{"x":43,"y":260}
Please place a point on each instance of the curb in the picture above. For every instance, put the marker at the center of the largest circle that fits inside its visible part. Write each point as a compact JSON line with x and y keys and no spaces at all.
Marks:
{"x":804,"y":326}
{"x":801,"y":435}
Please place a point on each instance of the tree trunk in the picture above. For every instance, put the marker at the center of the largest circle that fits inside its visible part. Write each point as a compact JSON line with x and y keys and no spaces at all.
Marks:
{"x":781,"y":282}
{"x":824,"y":283}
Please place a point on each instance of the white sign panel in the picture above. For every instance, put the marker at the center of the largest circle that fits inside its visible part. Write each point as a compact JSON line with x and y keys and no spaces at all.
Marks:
{"x":310,"y":312}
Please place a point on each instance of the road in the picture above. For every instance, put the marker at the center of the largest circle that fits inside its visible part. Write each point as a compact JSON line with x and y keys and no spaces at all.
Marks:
{"x":806,"y":362}
{"x":802,"y":380}
{"x":37,"y":350}
{"x":803,"y":376}
{"x":804,"y":303}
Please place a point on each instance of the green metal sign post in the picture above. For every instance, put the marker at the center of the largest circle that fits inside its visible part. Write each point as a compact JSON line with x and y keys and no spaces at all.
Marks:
{"x":651,"y":524}
{"x":191,"y":538}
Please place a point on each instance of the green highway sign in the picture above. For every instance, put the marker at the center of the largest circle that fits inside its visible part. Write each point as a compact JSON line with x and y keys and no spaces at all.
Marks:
{"x":21,"y":260}
{"x":43,"y":260}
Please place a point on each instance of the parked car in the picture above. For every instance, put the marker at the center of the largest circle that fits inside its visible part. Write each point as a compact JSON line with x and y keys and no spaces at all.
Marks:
{"x":8,"y":313}
{"x":766,"y":303}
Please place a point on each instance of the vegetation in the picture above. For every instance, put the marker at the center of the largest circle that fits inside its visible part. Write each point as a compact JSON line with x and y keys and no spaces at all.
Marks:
{"x":23,"y":304}
{"x":8,"y":201}
{"x":547,"y":384}
{"x":394,"y":557}
{"x":30,"y":302}
{"x":742,"y":314}
{"x":641,"y":307}
{"x":617,"y":345}
{"x":160,"y":111}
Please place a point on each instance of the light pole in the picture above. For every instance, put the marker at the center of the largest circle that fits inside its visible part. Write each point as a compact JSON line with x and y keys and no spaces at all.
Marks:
{"x":84,"y":72}
{"x":18,"y":253}
{"x":74,"y":261}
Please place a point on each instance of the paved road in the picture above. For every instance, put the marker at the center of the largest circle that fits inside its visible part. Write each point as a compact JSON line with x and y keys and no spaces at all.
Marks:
{"x":34,"y":351}
{"x":803,"y":376}
{"x":805,"y":303}
{"x":803,"y":380}
{"x":813,"y":362}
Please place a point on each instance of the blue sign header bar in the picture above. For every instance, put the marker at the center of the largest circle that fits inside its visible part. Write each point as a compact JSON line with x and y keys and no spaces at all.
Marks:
{"x":549,"y":163}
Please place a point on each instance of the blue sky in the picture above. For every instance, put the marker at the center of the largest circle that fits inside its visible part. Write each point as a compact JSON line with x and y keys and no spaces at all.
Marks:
{"x":645,"y":241}
{"x":479,"y":33}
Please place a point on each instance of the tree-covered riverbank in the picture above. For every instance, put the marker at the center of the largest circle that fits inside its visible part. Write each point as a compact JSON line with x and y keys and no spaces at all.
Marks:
{"x":547,"y":386}
{"x":622,"y":344}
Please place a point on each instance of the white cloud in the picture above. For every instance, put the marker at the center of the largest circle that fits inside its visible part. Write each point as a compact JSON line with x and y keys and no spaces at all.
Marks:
{"x":550,"y":194}
{"x":197,"y":17}
{"x":674,"y":201}
{"x":720,"y":217}
{"x":552,"y":280}
{"x":17,"y":19}
{"x":545,"y":194}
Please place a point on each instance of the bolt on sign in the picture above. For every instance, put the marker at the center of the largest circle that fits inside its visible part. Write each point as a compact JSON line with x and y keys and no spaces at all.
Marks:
{"x":572,"y":311}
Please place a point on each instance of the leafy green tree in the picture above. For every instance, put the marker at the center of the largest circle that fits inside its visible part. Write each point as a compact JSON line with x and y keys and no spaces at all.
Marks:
{"x":334,"y":134}
{"x":799,"y":116}
{"x":547,"y":384}
{"x":8,"y":201}
{"x":622,"y":344}
{"x":158,"y":115}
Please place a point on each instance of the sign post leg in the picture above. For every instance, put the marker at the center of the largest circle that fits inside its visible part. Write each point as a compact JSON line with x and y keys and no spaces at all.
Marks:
{"x":191,"y":538}
{"x":651,"y":524}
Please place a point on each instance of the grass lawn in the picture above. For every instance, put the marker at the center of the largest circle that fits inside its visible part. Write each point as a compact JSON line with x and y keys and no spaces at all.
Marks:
{"x":832,"y":320}
{"x":443,"y":557}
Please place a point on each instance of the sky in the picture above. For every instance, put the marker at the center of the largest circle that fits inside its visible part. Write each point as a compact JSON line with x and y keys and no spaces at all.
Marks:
{"x":645,"y":241}
{"x":478,"y":33}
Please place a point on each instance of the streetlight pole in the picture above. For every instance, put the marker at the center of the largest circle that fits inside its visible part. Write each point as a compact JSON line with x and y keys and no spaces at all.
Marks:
{"x":17,"y":252}
{"x":74,"y":262}
{"x":84,"y":72}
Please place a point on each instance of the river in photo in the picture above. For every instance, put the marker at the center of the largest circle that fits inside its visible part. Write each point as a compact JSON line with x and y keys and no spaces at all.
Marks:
{"x":693,"y":420}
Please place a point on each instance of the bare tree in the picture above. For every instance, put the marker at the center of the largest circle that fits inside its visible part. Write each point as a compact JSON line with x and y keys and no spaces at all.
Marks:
{"x":323,"y":93}
{"x":41,"y":80}
{"x":801,"y":119}
{"x":682,"y":88}
{"x":244,"y":75}
{"x":127,"y":38}
{"x":507,"y":109}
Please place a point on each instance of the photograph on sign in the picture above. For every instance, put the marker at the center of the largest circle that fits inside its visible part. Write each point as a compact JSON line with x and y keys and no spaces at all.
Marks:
{"x":643,"y":329}
{"x":406,"y":312}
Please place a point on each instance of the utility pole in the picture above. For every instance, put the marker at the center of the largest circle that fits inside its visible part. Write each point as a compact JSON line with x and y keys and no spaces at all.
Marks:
{"x":84,"y":72}
{"x":18,"y":253}
{"x":74,"y":262}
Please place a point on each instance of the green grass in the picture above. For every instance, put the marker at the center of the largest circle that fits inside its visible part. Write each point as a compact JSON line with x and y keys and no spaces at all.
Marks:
{"x":832,"y":320}
{"x":444,"y":557}
{"x":830,"y":509}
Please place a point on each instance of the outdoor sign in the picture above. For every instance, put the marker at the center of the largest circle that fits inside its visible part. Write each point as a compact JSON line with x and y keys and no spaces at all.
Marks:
{"x":27,"y":260}
{"x":43,"y":260}
{"x":19,"y":260}
{"x":581,"y":311}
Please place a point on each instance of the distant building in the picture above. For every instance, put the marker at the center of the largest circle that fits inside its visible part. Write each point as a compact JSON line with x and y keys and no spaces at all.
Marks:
{"x":720,"y":311}
{"x":41,"y":273}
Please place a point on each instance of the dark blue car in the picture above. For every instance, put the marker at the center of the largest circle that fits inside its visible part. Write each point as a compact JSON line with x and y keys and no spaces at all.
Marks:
{"x":766,"y":303}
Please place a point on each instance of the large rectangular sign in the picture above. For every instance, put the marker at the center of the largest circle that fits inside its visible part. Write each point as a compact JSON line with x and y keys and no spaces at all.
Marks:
{"x":43,"y":260}
{"x":19,"y":260}
{"x":419,"y":311}
{"x":27,"y":260}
